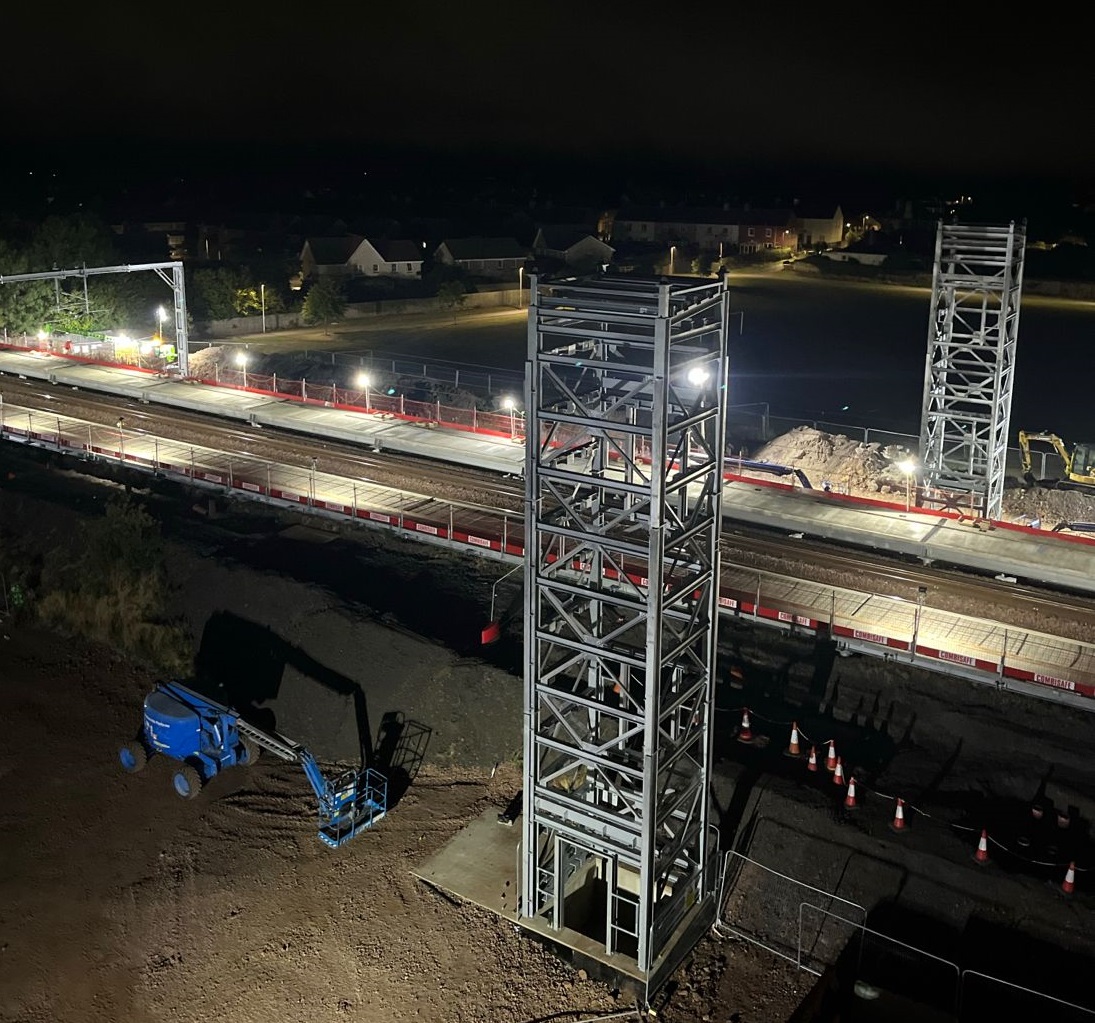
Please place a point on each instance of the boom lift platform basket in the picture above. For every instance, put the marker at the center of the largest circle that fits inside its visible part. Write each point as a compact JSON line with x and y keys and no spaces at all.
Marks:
{"x":206,"y":737}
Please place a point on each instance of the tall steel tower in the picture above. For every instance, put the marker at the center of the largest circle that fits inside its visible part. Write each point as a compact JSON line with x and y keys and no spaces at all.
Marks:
{"x":972,"y":331}
{"x":626,"y":425}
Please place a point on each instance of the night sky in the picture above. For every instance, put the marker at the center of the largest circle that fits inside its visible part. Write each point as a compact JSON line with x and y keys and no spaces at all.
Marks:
{"x":800,"y":98}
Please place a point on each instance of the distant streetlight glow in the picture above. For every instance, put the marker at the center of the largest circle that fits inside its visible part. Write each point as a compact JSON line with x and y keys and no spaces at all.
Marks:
{"x":241,"y":361}
{"x":511,"y":406}
{"x":161,"y":316}
{"x":697,"y":376}
{"x":908,"y":467}
{"x":364,"y":382}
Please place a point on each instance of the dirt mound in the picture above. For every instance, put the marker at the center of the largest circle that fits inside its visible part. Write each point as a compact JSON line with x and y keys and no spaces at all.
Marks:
{"x":849,"y":466}
{"x":871,"y":469}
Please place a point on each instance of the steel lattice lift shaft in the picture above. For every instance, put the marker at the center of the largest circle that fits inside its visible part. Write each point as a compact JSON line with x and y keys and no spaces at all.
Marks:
{"x":626,"y":436}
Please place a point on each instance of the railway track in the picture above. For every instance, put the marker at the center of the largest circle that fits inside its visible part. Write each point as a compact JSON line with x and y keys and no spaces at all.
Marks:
{"x":948,"y":589}
{"x":340,"y":457}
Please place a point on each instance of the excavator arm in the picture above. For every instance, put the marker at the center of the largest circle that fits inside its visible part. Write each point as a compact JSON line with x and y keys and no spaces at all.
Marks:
{"x":1025,"y":439}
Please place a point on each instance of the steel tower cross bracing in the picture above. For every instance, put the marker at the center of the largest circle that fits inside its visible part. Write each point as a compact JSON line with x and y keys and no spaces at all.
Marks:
{"x":972,"y":331}
{"x":626,"y":425}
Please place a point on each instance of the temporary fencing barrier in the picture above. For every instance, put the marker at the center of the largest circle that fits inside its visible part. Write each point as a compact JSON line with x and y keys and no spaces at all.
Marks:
{"x":975,"y":648}
{"x":761,"y":905}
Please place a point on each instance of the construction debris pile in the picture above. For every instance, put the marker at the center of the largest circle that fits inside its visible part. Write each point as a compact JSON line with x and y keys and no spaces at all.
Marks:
{"x":871,"y":469}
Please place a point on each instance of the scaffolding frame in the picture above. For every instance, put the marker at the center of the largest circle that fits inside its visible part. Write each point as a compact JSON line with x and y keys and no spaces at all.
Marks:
{"x":626,"y":407}
{"x":973,"y":327}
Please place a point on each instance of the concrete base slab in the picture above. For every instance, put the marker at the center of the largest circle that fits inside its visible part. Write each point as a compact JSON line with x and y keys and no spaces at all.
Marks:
{"x":480,"y":865}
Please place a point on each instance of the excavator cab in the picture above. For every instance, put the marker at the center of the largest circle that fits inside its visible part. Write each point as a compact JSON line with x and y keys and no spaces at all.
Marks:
{"x":1082,"y":469}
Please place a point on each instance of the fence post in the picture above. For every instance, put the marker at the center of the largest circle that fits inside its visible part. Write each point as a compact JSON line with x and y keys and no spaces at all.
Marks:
{"x":303,"y":389}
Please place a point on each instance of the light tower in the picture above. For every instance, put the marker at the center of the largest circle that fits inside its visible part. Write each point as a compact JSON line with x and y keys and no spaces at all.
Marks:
{"x":626,"y":428}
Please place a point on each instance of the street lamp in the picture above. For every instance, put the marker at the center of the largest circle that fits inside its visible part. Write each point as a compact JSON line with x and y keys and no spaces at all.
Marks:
{"x":672,"y":258}
{"x":262,"y":299}
{"x":908,"y":467}
{"x":520,"y":287}
{"x":161,"y":316}
{"x":363,"y":382}
{"x":241,"y":361}
{"x":511,"y":406}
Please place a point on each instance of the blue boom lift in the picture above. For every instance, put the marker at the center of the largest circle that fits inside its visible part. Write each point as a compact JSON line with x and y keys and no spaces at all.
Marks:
{"x":205,"y":737}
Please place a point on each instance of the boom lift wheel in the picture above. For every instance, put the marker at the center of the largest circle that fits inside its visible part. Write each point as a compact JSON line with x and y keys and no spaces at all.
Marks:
{"x":187,"y":782}
{"x":133,"y":757}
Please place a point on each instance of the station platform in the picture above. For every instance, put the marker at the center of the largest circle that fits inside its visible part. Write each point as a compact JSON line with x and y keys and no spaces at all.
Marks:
{"x":1033,"y":555}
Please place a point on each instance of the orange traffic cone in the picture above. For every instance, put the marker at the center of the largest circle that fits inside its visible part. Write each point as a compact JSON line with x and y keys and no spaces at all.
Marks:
{"x":830,"y":760}
{"x":982,"y":854}
{"x":793,"y":749}
{"x":849,"y":799}
{"x":811,"y":764}
{"x":898,"y":822}
{"x":838,"y":773}
{"x":1068,"y":885}
{"x":745,"y":733}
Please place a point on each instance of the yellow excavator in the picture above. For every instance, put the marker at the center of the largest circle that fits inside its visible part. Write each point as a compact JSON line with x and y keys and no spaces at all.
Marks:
{"x":1079,"y":463}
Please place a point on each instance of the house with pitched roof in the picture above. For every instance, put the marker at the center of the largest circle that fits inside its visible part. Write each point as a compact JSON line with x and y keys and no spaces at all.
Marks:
{"x":388,"y":258}
{"x":820,"y":225}
{"x":328,"y":257}
{"x":572,"y":246}
{"x":483,"y":257}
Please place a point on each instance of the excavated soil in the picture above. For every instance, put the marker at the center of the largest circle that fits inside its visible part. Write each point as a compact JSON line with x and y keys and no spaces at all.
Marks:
{"x":871,"y":469}
{"x":118,"y":901}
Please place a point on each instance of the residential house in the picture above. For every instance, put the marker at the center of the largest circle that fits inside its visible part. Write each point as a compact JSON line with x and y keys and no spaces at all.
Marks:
{"x":819,"y":226}
{"x":572,"y":246}
{"x":388,"y":258}
{"x":713,"y":229}
{"x":483,"y":257}
{"x":328,"y":257}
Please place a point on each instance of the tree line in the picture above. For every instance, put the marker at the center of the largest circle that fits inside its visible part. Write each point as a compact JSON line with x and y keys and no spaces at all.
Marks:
{"x":121,"y":302}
